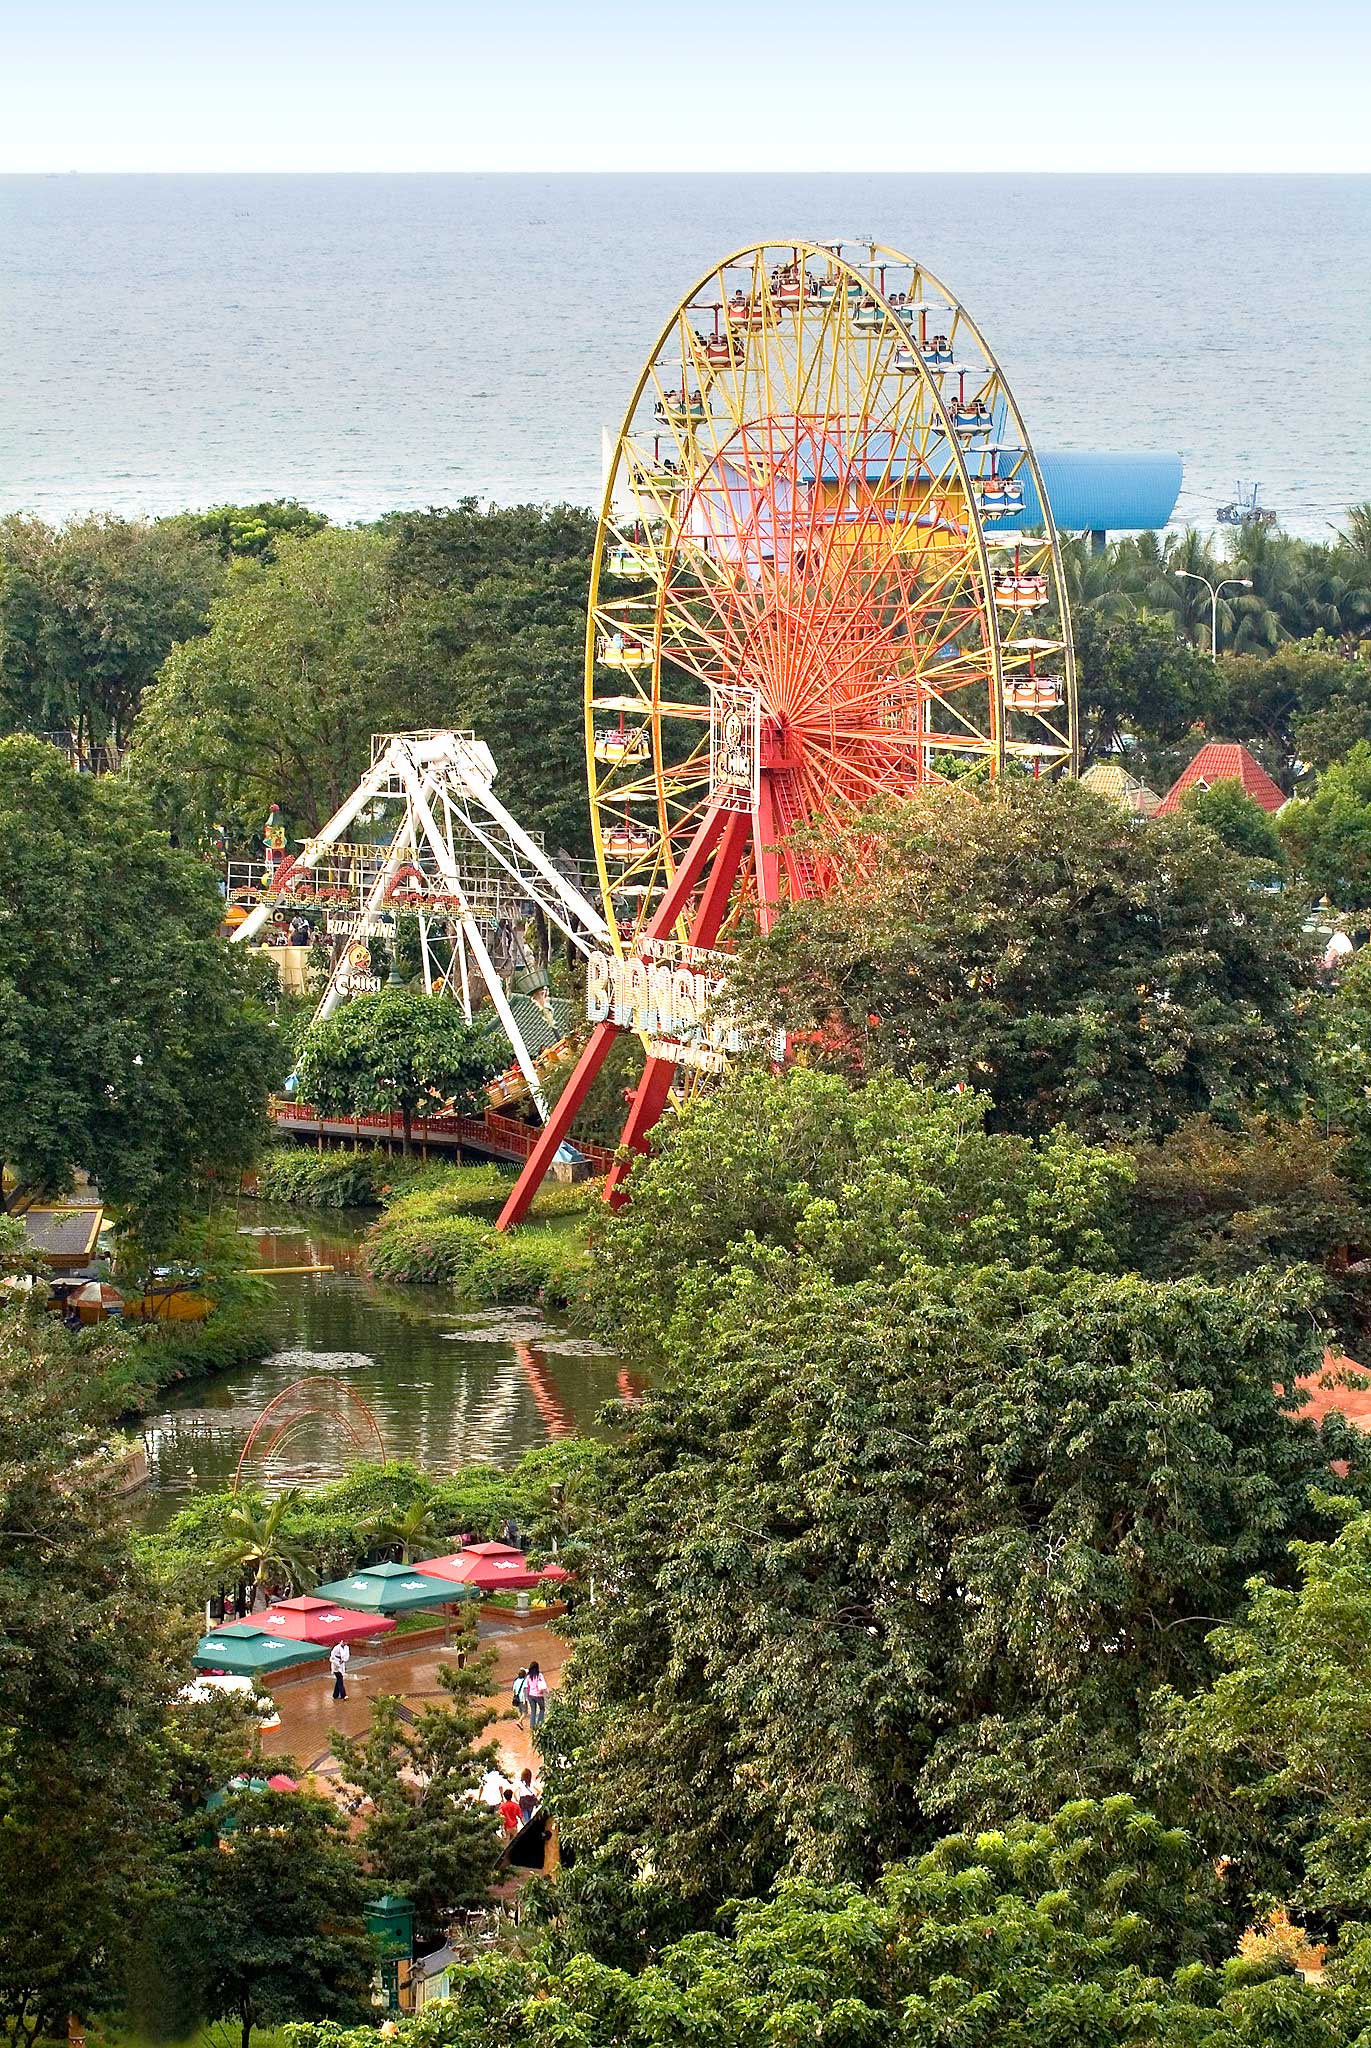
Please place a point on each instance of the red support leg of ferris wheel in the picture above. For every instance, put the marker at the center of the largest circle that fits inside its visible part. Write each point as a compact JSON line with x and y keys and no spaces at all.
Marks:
{"x":650,"y":1096}
{"x":602,"y":1037}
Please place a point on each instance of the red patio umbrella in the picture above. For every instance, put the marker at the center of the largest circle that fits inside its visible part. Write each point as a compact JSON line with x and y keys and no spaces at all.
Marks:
{"x":307,"y":1619}
{"x":491,"y":1568}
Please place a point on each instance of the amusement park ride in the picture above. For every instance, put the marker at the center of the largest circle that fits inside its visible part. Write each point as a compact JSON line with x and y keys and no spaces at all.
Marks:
{"x":442,"y":845}
{"x":808,"y":592}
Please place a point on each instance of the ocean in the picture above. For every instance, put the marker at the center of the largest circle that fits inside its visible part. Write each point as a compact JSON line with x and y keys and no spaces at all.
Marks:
{"x":368,"y":342}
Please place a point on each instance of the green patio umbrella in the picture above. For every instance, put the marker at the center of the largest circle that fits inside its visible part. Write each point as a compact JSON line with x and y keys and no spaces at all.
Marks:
{"x":390,"y":1589}
{"x":250,"y":1652}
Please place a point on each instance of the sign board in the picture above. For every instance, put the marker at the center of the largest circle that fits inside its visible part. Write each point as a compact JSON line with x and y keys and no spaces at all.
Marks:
{"x":735,"y":746}
{"x":357,"y":978}
{"x":676,"y":997}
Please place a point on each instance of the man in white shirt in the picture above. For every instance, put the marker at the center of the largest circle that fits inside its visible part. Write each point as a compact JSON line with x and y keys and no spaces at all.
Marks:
{"x":338,"y":1658}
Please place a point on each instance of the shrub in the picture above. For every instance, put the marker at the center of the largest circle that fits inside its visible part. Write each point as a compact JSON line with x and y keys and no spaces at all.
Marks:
{"x":144,"y":1360}
{"x":336,"y":1526}
{"x":355,"y":1179}
{"x":480,"y":1263}
{"x":450,"y":1191}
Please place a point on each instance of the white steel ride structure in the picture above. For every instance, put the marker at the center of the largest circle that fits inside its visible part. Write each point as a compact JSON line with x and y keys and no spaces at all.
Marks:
{"x":452,"y":855}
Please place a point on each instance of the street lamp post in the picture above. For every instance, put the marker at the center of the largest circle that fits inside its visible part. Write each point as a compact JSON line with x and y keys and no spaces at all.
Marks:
{"x":1229,"y":583}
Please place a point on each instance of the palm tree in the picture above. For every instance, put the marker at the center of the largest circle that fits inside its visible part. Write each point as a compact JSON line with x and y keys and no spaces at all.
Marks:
{"x":413,"y":1531}
{"x":1355,"y":537}
{"x":257,"y":1545}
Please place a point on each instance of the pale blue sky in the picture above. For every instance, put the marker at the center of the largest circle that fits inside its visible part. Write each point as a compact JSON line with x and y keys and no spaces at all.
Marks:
{"x":782,"y":85}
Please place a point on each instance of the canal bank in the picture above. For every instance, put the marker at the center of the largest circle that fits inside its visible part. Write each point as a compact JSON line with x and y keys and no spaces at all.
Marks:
{"x":446,"y":1385}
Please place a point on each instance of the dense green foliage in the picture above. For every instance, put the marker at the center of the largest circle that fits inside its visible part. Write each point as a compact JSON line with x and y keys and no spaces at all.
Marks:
{"x":132,"y":1046}
{"x":863,"y":1183}
{"x":458,"y":617}
{"x":1271,"y":1760}
{"x":944,"y":1534}
{"x":88,"y":613}
{"x":253,"y":530}
{"x":1034,"y":944}
{"x":1345,"y":1070}
{"x":304,"y":659}
{"x":352,"y":1178}
{"x":1329,"y":837}
{"x":482,"y":1265}
{"x":1299,"y":588}
{"x":1098,"y":1927}
{"x":497,"y":603}
{"x":266,"y":1923}
{"x":399,"y":1053}
{"x":1238,"y":819}
{"x":87,"y":1672}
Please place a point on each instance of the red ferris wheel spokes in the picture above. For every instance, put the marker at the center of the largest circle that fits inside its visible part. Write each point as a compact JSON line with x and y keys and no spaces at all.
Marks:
{"x":818,"y":571}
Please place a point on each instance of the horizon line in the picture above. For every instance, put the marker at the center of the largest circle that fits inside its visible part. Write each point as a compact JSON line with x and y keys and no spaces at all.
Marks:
{"x":479,"y":171}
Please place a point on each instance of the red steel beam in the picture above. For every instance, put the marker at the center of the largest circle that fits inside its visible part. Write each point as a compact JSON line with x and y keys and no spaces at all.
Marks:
{"x":602,"y":1037}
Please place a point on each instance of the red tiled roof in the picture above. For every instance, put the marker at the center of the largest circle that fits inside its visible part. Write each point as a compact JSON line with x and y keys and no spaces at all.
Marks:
{"x":1224,"y":761}
{"x":1323,"y":1394}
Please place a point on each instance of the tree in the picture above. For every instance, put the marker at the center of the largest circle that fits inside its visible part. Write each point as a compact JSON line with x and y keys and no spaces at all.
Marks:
{"x":865,"y":1182}
{"x":88,"y":1671}
{"x":889,"y":1557}
{"x":1240,"y":822}
{"x":1345,"y":1070}
{"x":1273,"y":1758}
{"x":131,"y":1045}
{"x":427,"y":1834}
{"x":1138,"y":684}
{"x":304,"y":659}
{"x":1218,"y":1202}
{"x":1100,"y":1927}
{"x":268,"y":1919}
{"x":253,"y":530}
{"x":1326,"y":735}
{"x":257,"y":1546}
{"x":1038,"y":944}
{"x":1329,"y":834}
{"x":497,"y":599}
{"x":88,"y":613}
{"x":399,"y":1054}
{"x":414,"y":1530}
{"x":1265,"y":697}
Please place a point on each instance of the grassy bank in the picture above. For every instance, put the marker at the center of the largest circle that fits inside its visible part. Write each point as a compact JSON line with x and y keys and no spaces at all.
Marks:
{"x":441,"y":1234}
{"x":356,"y":1178}
{"x":141,"y":1361}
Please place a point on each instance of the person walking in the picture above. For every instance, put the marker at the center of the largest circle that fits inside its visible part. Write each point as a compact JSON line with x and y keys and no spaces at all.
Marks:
{"x":510,"y":1816}
{"x":518,"y":1693}
{"x":535,"y":1692}
{"x":338,"y":1658}
{"x":526,"y":1794}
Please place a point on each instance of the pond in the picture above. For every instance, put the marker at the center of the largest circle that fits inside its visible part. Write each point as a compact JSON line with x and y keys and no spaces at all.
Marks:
{"x":399,"y":1369}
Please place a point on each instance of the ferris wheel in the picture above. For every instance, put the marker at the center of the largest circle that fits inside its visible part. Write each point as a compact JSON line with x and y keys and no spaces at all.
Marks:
{"x":809,"y":578}
{"x":812,"y":588}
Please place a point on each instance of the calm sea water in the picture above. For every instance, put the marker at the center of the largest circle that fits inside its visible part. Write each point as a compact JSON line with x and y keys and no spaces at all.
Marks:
{"x":370,"y":342}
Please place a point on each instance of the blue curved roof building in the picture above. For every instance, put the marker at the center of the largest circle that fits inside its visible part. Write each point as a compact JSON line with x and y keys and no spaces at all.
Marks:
{"x":1092,"y":491}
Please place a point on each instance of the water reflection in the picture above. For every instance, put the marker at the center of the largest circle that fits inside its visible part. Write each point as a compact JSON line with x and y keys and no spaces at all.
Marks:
{"x":447,"y":1388}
